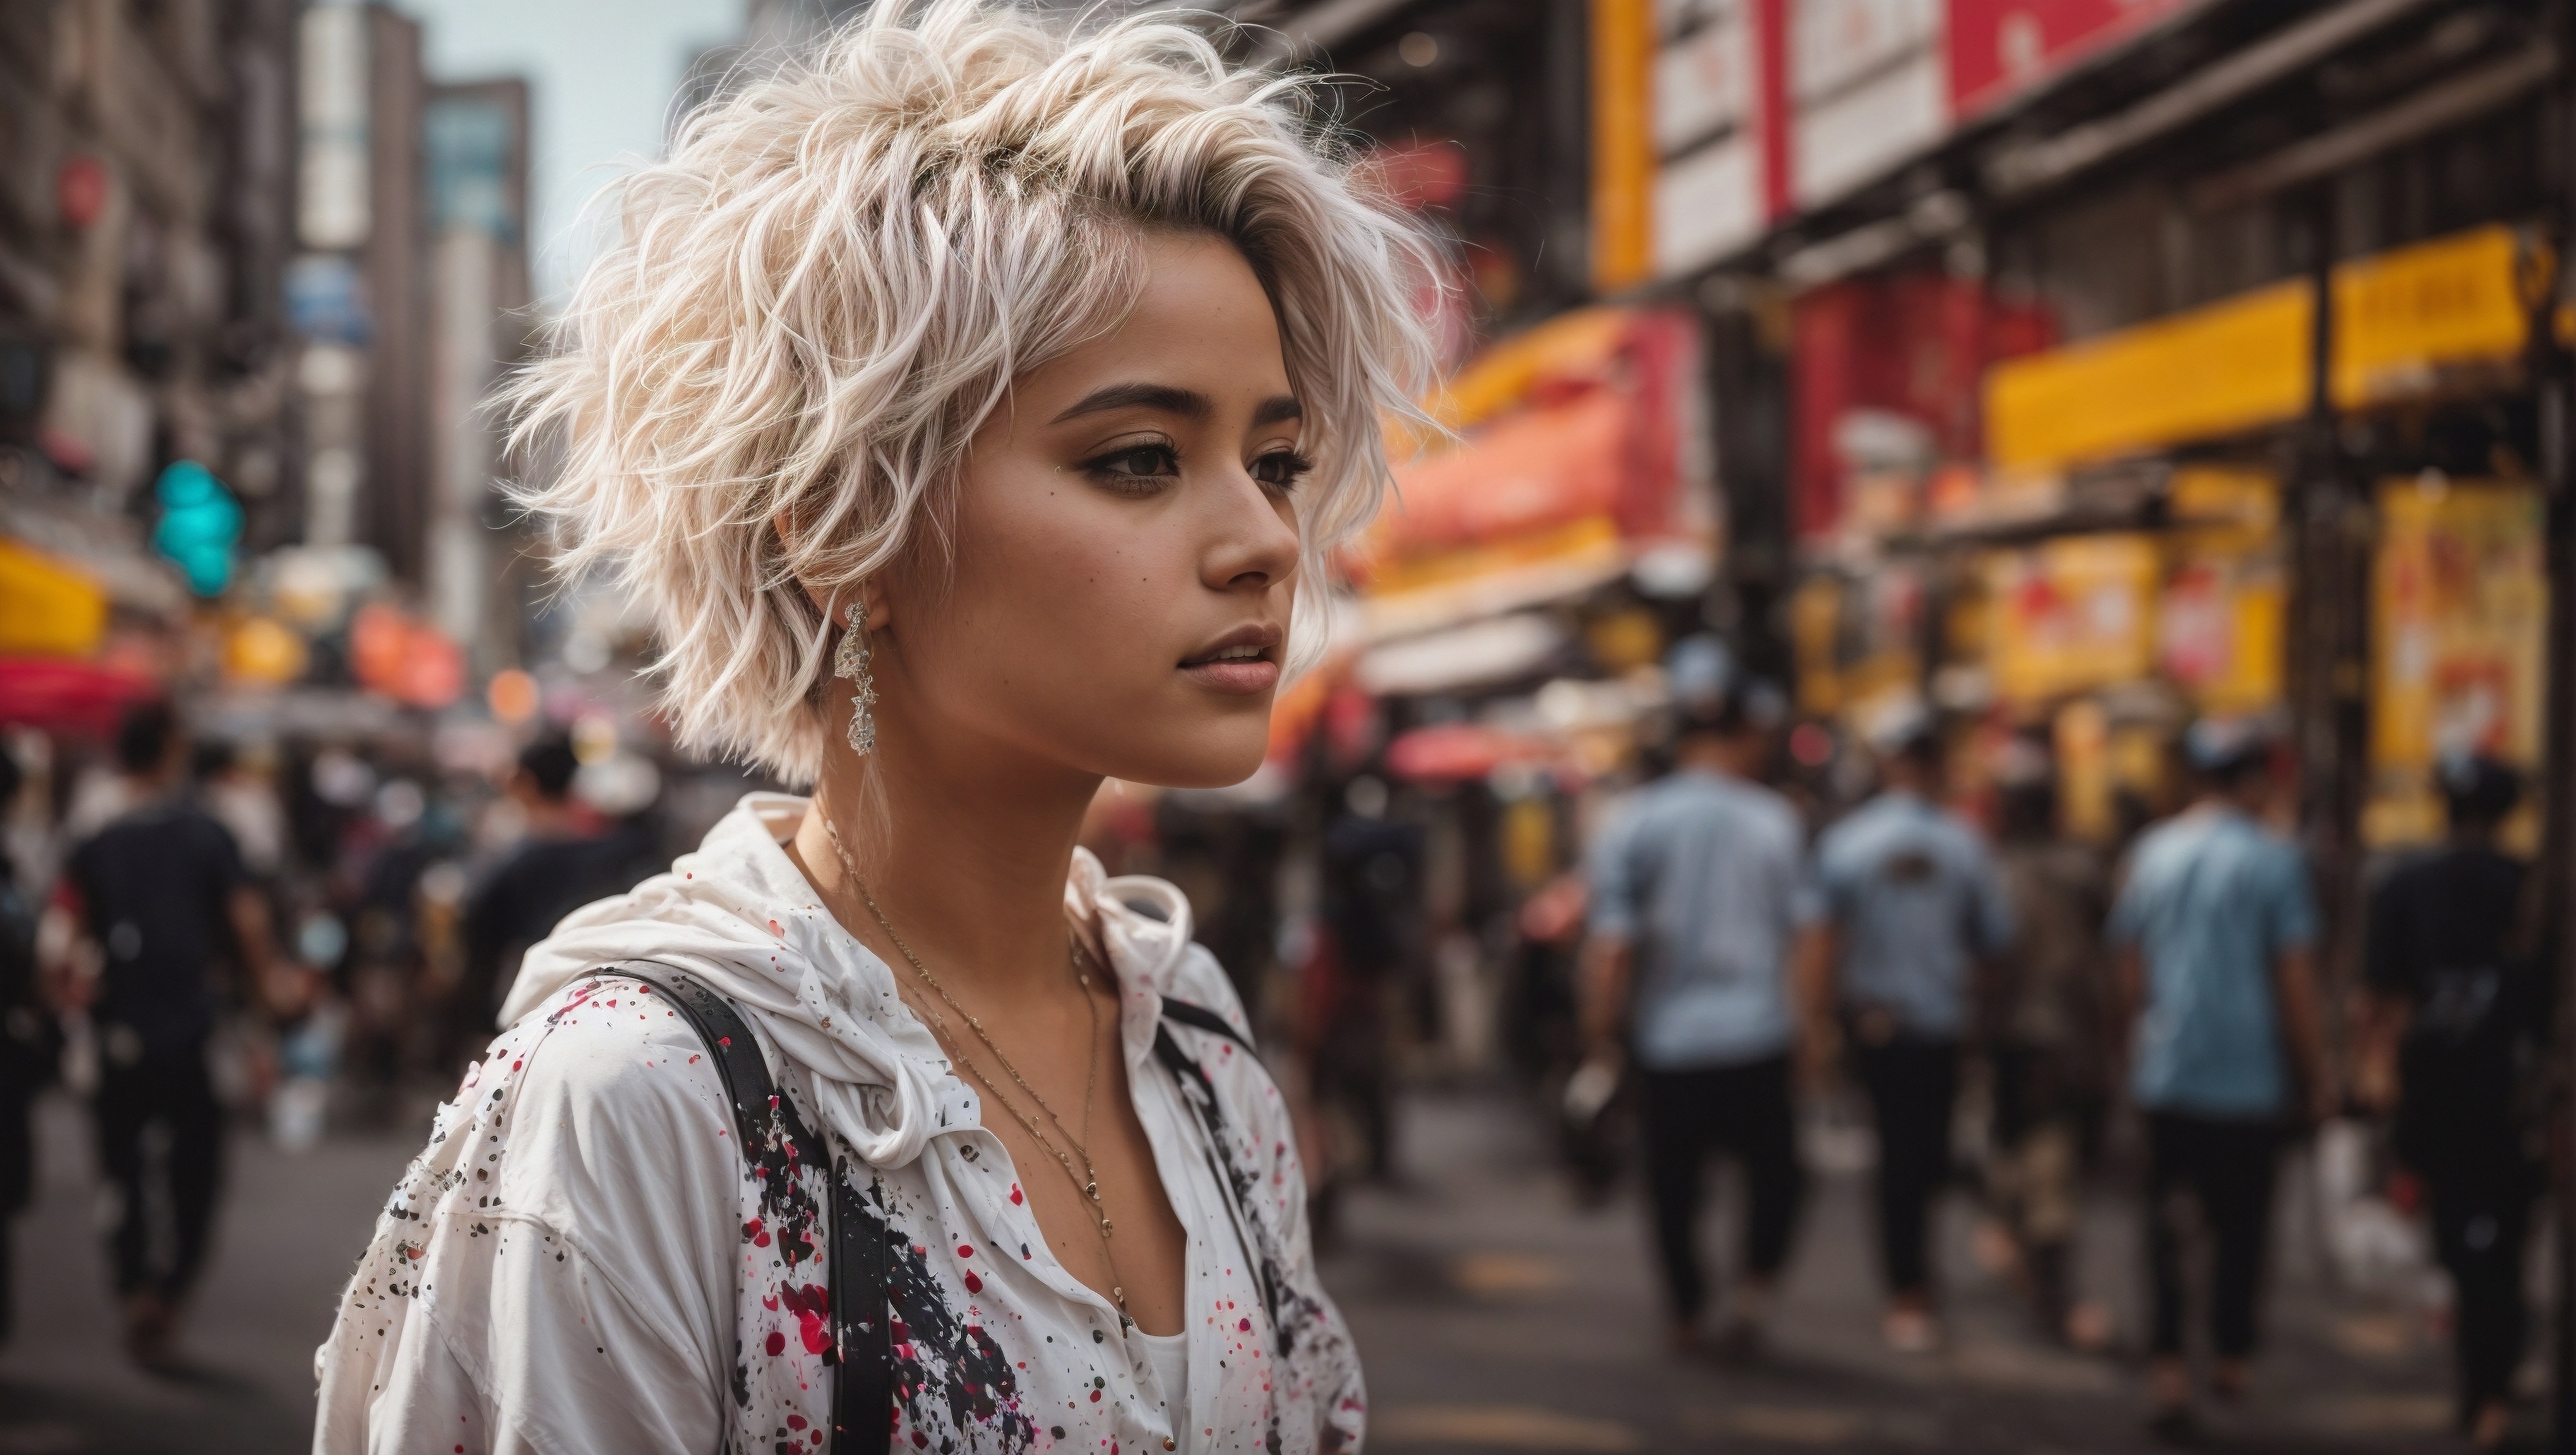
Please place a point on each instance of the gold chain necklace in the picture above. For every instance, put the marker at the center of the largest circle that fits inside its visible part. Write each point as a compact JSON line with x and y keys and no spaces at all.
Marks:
{"x":1088,"y":1180}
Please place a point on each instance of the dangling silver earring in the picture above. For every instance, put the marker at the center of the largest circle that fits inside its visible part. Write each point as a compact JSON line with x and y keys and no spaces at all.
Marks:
{"x":851,"y":661}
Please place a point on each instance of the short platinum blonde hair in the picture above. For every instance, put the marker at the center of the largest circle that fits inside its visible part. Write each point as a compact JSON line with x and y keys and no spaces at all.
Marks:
{"x":814,"y":304}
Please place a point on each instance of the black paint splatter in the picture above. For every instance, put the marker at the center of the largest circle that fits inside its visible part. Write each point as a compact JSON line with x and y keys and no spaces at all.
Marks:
{"x":945,"y":1368}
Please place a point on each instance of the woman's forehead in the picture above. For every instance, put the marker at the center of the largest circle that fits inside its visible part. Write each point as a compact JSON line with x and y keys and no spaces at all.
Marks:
{"x":1200,"y":336}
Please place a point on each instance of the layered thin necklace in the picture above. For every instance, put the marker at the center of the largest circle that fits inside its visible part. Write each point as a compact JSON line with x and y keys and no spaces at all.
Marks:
{"x":1087,"y":1181}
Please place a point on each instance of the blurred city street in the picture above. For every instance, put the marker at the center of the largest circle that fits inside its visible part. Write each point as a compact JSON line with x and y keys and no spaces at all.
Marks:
{"x":1982,"y":589}
{"x":1493,"y":1313}
{"x":289,"y":1234}
{"x":1498,"y":1317}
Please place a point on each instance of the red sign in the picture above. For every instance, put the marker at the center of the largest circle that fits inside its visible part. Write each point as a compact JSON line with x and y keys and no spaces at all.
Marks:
{"x":80,"y":190}
{"x":403,"y":659}
{"x":1914,"y":345}
{"x":69,"y":697}
{"x":2001,"y":48}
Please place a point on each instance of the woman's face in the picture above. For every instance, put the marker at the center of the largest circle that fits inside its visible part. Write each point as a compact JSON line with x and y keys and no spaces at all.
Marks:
{"x":1118,"y":595}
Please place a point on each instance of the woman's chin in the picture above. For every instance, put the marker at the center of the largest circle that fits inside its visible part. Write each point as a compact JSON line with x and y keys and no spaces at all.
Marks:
{"x":1209,"y":762}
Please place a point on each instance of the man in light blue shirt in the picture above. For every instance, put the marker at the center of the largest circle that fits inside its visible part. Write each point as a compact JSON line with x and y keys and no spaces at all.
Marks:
{"x":1699,"y":911}
{"x":2214,"y":928}
{"x":1915,"y":904}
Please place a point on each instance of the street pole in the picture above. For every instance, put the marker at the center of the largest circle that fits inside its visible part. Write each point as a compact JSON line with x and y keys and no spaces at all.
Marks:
{"x":2330,"y":529}
{"x":2558,"y":856}
{"x":2554,"y":372}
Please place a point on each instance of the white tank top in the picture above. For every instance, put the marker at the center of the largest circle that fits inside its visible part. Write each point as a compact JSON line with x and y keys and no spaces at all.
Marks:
{"x":1170,"y":1356}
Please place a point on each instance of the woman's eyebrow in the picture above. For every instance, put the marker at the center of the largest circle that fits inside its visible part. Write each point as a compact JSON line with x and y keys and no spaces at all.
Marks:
{"x":1170,"y":399}
{"x":1277,"y":408}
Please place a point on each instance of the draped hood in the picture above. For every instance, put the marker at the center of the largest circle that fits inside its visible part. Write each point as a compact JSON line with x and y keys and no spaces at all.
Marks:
{"x":739,"y":915}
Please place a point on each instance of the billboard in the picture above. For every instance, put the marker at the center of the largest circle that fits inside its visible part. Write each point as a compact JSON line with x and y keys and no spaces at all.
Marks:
{"x":1715,"y":120}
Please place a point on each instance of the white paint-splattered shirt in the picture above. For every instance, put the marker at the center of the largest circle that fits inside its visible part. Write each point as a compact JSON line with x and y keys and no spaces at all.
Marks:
{"x":584,"y":1260}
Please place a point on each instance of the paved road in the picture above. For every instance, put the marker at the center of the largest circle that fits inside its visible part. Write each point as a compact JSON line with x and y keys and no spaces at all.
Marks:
{"x":1494,"y":1316}
{"x":291,"y":1229}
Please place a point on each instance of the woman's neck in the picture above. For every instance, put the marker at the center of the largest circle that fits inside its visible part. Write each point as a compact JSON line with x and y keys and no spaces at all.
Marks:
{"x":964,"y":848}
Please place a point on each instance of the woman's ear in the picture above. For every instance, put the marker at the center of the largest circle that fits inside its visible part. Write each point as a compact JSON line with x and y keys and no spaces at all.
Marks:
{"x":834,"y":601}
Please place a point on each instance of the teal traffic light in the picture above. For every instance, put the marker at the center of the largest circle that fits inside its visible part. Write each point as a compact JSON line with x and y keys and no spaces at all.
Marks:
{"x":200,"y":525}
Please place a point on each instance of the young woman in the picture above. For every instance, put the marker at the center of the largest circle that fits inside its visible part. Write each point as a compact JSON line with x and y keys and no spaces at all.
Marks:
{"x":969,"y":407}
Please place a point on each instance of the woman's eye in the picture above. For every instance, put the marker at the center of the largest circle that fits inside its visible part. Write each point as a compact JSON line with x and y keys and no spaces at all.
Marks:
{"x":1132,"y":462}
{"x":1280,"y":469}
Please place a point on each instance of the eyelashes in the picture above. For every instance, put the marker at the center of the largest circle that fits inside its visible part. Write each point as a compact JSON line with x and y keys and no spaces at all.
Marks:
{"x":1141,"y":469}
{"x":1136,"y":469}
{"x":1282,"y":469}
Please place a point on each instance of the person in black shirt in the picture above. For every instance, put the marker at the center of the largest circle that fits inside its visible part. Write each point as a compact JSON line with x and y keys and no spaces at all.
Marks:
{"x":161,"y":896}
{"x":564,"y":863}
{"x":2449,"y":1019}
{"x":26,"y":1046}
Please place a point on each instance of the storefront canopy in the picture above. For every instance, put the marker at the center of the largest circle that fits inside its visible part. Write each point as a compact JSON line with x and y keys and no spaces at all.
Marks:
{"x":68,"y":697}
{"x":1574,"y":454}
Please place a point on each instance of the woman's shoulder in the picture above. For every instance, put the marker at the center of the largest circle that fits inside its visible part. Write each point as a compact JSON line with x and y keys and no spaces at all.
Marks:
{"x":609,"y":1080}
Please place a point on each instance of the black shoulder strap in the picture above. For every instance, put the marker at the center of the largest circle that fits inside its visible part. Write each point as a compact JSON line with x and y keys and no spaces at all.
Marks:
{"x":1211,"y":1113}
{"x":1199,"y":1017}
{"x":863,"y":1340}
{"x":749,"y":1089}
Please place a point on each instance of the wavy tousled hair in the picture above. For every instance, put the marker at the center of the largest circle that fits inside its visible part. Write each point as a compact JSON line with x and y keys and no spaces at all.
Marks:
{"x":831,"y":283}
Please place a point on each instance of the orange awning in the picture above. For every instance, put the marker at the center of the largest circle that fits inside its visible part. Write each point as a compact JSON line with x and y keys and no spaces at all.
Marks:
{"x":1524,"y":474}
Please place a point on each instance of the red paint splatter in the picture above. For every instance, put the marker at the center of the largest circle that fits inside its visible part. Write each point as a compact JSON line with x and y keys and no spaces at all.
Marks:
{"x":795,"y":1422}
{"x":973,"y":1283}
{"x":1015,"y":1194}
{"x":1243,"y":1326}
{"x":777,"y":1343}
{"x":775,"y":930}
{"x":1095,"y":1396}
{"x":751,"y":1229}
{"x":965,"y":1250}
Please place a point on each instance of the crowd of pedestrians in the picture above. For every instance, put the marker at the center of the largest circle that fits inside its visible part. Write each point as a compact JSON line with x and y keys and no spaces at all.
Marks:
{"x":202,"y":939}
{"x":1745,"y":958}
{"x":1741,"y":958}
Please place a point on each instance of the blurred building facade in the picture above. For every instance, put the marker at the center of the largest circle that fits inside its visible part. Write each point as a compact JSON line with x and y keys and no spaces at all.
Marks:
{"x":257,"y":277}
{"x":145,"y":223}
{"x":2069,"y":370}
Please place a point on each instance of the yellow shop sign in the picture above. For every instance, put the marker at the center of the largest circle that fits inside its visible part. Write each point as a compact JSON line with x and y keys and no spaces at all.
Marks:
{"x":2402,"y":321}
{"x":2404,"y":316}
{"x":47,"y":608}
{"x":2211,"y":371}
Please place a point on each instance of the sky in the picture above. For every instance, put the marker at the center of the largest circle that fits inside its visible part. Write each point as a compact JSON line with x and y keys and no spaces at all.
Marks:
{"x":602,"y":72}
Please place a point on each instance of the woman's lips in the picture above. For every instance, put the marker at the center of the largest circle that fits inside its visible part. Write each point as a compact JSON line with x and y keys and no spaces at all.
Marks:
{"x":1243,"y":675}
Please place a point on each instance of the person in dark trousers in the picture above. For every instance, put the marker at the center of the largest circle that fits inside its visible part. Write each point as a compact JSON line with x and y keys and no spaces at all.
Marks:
{"x":2213,"y":933}
{"x":2045,"y":1017}
{"x":26,"y":1049}
{"x":1914,"y":907}
{"x":1372,"y":919}
{"x":566,"y":860}
{"x":163,"y":903}
{"x":1702,"y":962}
{"x":2452,"y":1018}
